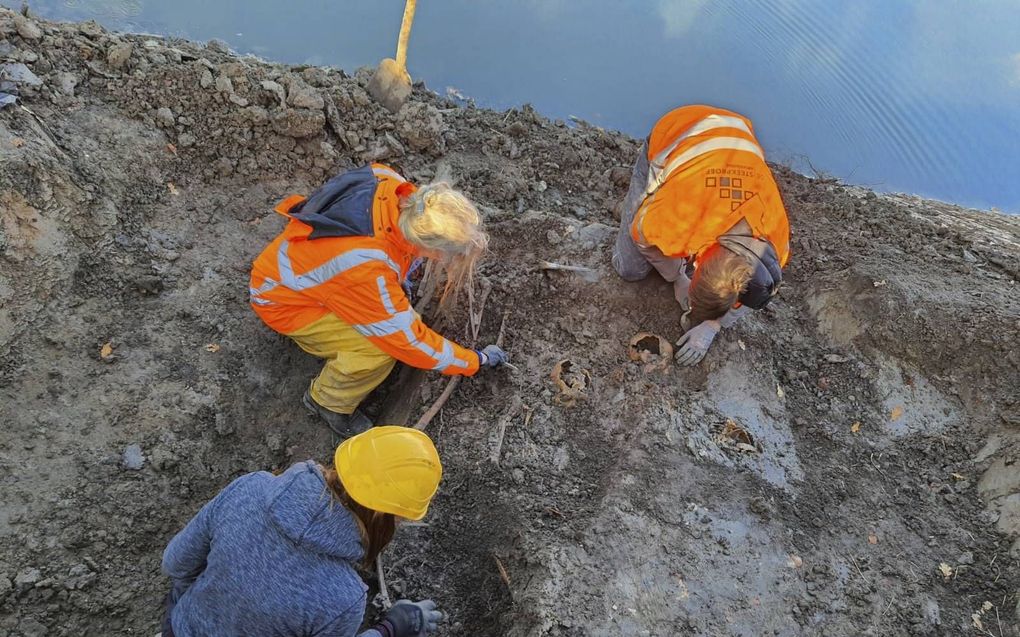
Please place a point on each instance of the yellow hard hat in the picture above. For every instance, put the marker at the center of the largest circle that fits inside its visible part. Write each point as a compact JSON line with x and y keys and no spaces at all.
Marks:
{"x":390,"y":469}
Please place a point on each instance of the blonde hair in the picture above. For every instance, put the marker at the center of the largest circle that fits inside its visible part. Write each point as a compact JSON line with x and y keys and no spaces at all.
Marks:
{"x":719,"y":280}
{"x":447,"y":226}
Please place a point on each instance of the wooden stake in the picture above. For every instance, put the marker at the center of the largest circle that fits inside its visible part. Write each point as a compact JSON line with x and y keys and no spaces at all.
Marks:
{"x":427,"y":417}
{"x":475,"y":322}
{"x":515,"y":408}
{"x":384,"y":592}
{"x":503,"y":574}
{"x":502,"y":329}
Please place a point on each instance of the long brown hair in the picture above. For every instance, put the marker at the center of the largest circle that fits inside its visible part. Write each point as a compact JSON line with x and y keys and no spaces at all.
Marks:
{"x":376,"y":528}
{"x":720,"y":278}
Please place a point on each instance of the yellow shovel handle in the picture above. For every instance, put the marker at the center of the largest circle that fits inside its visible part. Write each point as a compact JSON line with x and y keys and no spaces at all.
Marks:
{"x":405,"y":33}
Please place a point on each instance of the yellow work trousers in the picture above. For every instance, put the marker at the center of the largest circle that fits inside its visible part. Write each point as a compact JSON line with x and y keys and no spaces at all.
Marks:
{"x":354,"y":366}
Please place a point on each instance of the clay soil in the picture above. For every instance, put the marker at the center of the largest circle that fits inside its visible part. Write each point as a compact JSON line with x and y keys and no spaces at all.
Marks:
{"x":841,"y":464}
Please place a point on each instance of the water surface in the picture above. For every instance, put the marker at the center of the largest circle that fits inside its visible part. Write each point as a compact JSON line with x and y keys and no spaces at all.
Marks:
{"x":920,"y":97}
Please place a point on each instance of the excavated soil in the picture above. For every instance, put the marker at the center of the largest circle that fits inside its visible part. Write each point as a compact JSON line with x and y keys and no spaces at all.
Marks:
{"x":844,"y":463}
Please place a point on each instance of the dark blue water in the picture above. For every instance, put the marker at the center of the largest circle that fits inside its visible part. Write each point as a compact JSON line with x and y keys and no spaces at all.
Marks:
{"x":920,"y":96}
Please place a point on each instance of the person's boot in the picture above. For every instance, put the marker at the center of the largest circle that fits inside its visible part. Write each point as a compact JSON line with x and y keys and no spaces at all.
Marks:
{"x":343,"y":425}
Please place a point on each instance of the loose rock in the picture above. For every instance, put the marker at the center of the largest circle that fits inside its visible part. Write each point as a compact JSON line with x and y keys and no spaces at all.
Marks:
{"x":27,"y":578}
{"x":218,"y":46}
{"x":27,"y":28}
{"x":67,"y":82}
{"x":91,"y":29}
{"x":224,"y":84}
{"x":20,"y":74}
{"x":421,"y":125}
{"x":299,"y":122}
{"x":300,"y":95}
{"x":276,"y":90}
{"x":223,"y":167}
{"x":31,"y":627}
{"x":165,"y":117}
{"x":132,"y":459}
{"x":118,"y":54}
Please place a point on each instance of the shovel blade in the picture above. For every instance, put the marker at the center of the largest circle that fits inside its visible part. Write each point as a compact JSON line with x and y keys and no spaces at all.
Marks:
{"x":390,"y":85}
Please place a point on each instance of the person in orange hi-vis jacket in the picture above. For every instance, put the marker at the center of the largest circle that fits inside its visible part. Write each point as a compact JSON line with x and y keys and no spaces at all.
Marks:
{"x":701,"y":196}
{"x":332,"y":282}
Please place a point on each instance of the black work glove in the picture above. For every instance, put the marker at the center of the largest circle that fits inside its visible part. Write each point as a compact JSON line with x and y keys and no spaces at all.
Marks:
{"x":409,"y":619}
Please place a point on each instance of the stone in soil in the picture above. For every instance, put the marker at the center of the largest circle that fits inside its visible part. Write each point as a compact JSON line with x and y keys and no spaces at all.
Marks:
{"x":27,"y":28}
{"x":132,"y":459}
{"x":118,"y":54}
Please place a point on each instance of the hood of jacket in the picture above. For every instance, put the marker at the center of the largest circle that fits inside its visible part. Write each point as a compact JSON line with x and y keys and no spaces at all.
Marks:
{"x":304,"y":510}
{"x":341,"y":207}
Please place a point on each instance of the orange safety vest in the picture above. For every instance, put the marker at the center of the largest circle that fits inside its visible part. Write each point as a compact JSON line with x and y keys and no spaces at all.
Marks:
{"x":350,"y":261}
{"x":706,"y":171}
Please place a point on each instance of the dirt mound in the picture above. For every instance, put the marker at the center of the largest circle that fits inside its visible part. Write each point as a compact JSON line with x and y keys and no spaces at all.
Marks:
{"x":843,"y":463}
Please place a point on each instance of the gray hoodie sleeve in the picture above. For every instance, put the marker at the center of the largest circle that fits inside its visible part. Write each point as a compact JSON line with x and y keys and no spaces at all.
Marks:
{"x":184,"y":557}
{"x":346,"y":624}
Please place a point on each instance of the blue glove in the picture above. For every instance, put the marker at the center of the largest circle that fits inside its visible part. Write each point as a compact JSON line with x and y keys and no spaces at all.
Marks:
{"x":407,"y":283}
{"x":491,"y":356}
{"x":409,"y":619}
{"x":408,"y":286}
{"x":694,"y":344}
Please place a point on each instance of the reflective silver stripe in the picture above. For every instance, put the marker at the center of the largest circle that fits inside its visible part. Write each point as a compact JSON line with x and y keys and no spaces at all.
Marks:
{"x":639,"y":219}
{"x":398,"y":322}
{"x":384,"y":294}
{"x":386,"y":172}
{"x":444,"y":358}
{"x":335,"y":266}
{"x":267,"y":285}
{"x":707,"y":146}
{"x":657,"y":178}
{"x":447,"y":358}
{"x":402,"y":322}
{"x":656,"y":174}
{"x":706,"y":124}
{"x":258,"y":301}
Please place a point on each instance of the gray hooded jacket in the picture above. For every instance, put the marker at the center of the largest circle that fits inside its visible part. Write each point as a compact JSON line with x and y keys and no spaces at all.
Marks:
{"x":269,"y":555}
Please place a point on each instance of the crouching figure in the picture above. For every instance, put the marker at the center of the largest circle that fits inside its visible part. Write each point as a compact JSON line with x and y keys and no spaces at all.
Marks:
{"x":334,"y":281}
{"x":277,"y":555}
{"x":702,"y":198}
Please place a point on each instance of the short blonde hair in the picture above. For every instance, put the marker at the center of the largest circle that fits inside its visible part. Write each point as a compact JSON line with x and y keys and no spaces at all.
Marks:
{"x":719,"y":280}
{"x":447,"y":226}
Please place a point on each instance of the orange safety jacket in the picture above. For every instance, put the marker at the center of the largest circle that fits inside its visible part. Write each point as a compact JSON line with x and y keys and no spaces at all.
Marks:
{"x":343,"y":252}
{"x":706,"y":171}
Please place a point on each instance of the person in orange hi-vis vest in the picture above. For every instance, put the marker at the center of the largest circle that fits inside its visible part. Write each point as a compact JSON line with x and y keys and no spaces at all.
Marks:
{"x":701,"y":196}
{"x":332,"y":281}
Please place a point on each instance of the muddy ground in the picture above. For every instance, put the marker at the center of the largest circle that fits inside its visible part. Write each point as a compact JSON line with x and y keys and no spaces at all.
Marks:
{"x":841,"y":464}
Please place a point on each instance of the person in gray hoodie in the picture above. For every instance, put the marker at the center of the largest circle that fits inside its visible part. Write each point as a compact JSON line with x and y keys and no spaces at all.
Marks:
{"x":277,"y":555}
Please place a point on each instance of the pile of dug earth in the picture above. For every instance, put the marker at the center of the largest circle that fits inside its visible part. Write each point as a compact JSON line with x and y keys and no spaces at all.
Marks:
{"x":844,"y":463}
